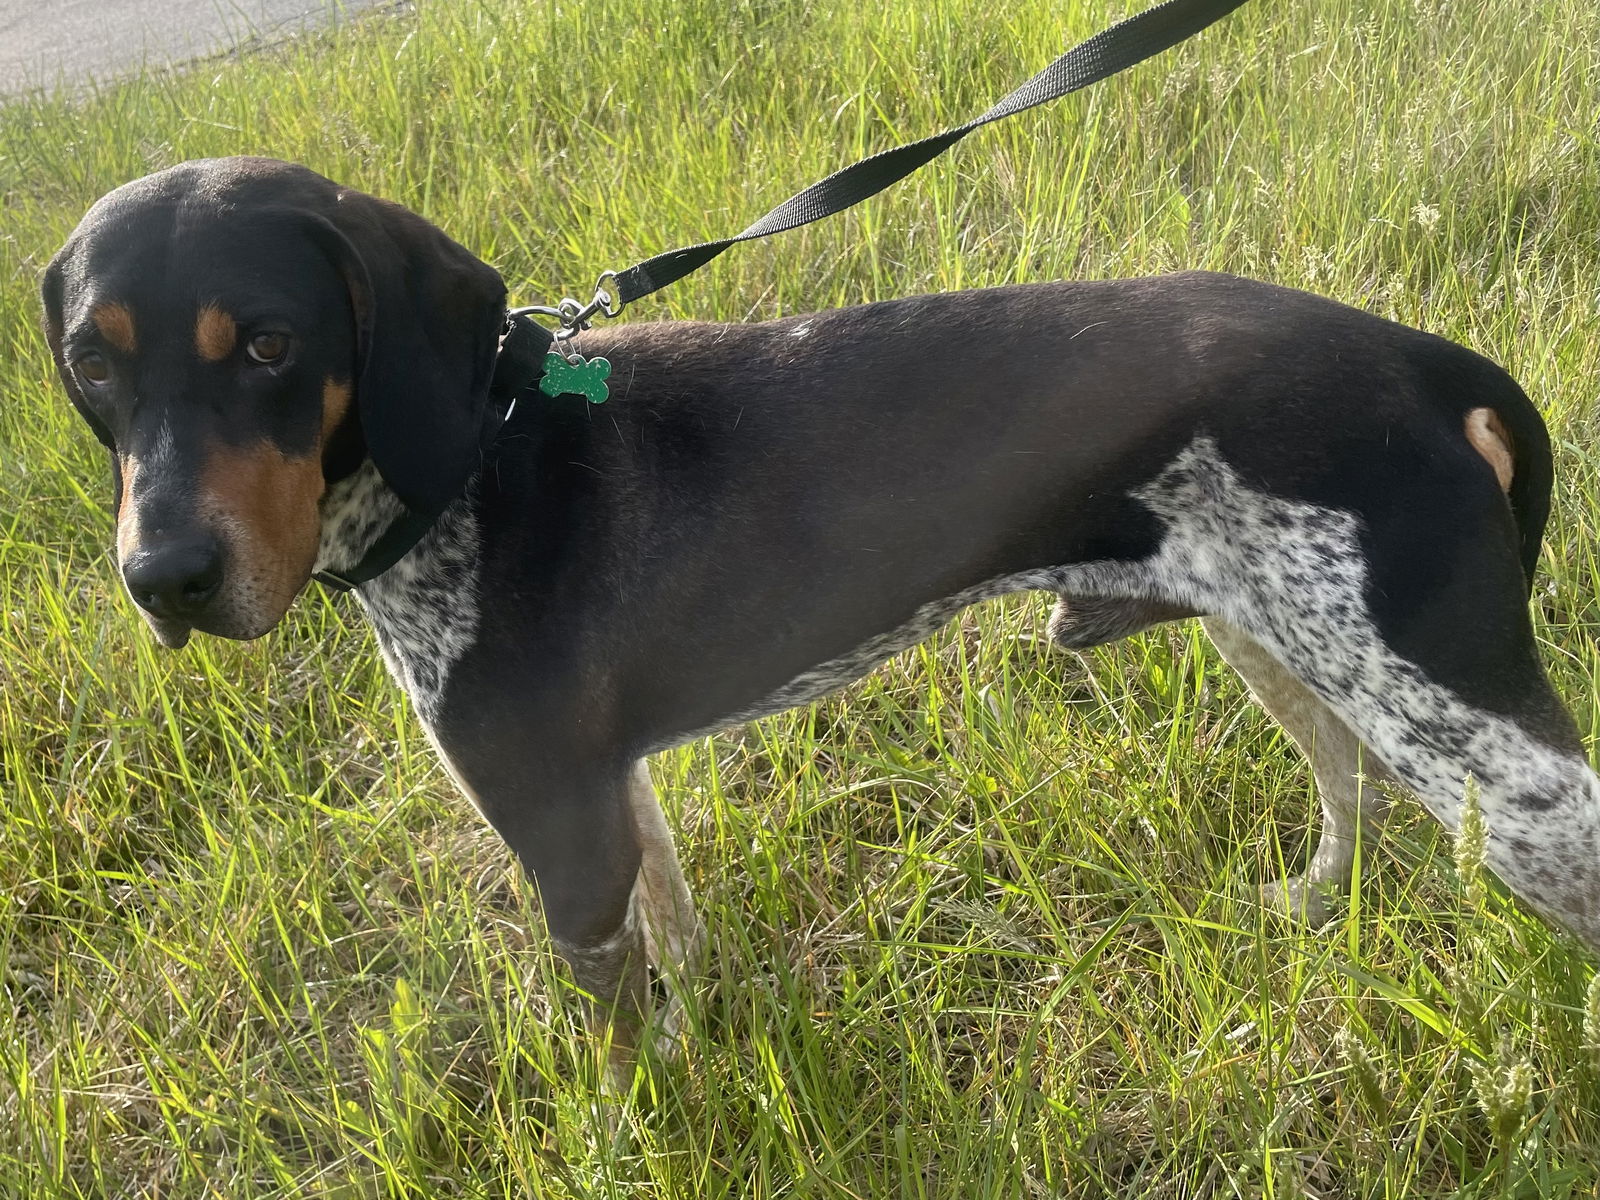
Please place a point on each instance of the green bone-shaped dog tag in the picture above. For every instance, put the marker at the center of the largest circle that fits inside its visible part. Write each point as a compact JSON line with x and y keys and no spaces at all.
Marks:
{"x":584,"y":377}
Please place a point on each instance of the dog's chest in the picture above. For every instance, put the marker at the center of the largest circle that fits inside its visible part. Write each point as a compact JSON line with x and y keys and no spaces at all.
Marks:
{"x":424,"y":608}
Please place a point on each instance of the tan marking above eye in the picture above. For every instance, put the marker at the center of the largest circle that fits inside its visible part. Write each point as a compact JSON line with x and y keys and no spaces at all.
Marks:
{"x":1491,"y":439}
{"x":115,"y":323}
{"x":335,"y":403}
{"x":214,"y":333}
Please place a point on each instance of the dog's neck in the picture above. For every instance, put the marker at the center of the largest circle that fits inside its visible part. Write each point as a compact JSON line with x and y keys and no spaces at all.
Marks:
{"x":355,"y":512}
{"x":425,"y":607}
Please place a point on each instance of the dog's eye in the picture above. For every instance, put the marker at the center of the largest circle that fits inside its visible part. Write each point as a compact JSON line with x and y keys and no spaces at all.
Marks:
{"x":267,"y":348}
{"x":93,"y":369}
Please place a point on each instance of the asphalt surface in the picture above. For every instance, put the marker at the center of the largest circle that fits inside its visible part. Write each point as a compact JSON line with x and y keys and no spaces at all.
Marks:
{"x":70,"y":44}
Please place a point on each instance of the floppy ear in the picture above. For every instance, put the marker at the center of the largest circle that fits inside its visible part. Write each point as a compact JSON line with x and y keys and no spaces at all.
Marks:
{"x":50,"y":291}
{"x":428,"y":319}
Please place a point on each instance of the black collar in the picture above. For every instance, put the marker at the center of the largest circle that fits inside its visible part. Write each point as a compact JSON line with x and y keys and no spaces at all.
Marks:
{"x":519,"y":366}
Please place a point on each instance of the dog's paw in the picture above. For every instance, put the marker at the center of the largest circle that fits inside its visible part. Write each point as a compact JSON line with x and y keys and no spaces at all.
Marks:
{"x":668,"y":1034}
{"x":1300,"y":900}
{"x":669,"y":1016}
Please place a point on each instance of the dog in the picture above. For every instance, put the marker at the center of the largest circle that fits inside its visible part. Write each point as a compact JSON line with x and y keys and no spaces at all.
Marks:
{"x":295,"y":377}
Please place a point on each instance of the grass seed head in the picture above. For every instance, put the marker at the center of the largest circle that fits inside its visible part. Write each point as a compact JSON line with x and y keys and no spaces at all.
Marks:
{"x":1591,"y":1021}
{"x":1363,"y":1070}
{"x":1471,"y":839}
{"x":1504,"y":1087}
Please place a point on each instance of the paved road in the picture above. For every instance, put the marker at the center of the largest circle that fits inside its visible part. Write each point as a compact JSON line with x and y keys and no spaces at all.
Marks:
{"x":69,"y":43}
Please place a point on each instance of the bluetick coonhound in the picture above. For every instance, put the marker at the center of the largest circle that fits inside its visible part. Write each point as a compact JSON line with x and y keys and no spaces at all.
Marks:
{"x":283,"y":369}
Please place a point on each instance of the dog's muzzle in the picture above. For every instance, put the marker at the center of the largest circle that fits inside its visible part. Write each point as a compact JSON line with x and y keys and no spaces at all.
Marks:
{"x":175,"y":582}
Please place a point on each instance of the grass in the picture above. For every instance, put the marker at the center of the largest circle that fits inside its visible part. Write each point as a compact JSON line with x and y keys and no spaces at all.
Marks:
{"x":982,"y":922}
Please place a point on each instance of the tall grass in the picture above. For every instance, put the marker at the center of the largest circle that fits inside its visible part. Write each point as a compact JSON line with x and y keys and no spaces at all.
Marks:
{"x":983,"y":923}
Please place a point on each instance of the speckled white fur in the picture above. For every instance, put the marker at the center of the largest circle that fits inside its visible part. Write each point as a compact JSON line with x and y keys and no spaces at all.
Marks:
{"x":1292,"y":577}
{"x":425,"y":607}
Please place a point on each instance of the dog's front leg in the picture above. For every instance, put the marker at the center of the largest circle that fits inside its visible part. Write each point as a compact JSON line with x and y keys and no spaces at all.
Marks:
{"x":573,"y":825}
{"x":673,"y":935}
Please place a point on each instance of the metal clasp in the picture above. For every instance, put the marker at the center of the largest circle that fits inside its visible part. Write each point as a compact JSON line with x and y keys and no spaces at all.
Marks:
{"x":575,"y":316}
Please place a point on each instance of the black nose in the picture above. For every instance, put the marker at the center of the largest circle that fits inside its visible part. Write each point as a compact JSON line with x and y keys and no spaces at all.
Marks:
{"x":175,"y":578}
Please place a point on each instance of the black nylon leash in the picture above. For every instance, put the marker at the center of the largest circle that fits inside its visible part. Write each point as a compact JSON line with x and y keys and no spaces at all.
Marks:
{"x":526,"y":346}
{"x":1108,"y":52}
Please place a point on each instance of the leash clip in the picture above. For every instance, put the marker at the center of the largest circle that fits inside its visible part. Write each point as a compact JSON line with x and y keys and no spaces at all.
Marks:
{"x":577,"y":316}
{"x":574,"y":315}
{"x":601,"y":304}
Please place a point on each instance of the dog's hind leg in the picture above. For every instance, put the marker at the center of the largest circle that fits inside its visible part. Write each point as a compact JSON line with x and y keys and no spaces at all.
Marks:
{"x":1409,"y":620}
{"x":1081,"y":620}
{"x":1347,"y":773}
{"x":1343,"y":768}
{"x":1540,"y":800}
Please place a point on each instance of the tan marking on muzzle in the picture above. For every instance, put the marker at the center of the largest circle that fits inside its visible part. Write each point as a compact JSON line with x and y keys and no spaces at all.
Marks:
{"x":115,"y":323}
{"x":214,"y":333}
{"x":1490,"y":438}
{"x":264,"y":505}
{"x":335,"y":403}
{"x":127,"y":512}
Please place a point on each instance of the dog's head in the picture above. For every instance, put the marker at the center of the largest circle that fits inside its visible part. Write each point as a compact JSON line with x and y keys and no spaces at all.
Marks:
{"x":240,"y":333}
